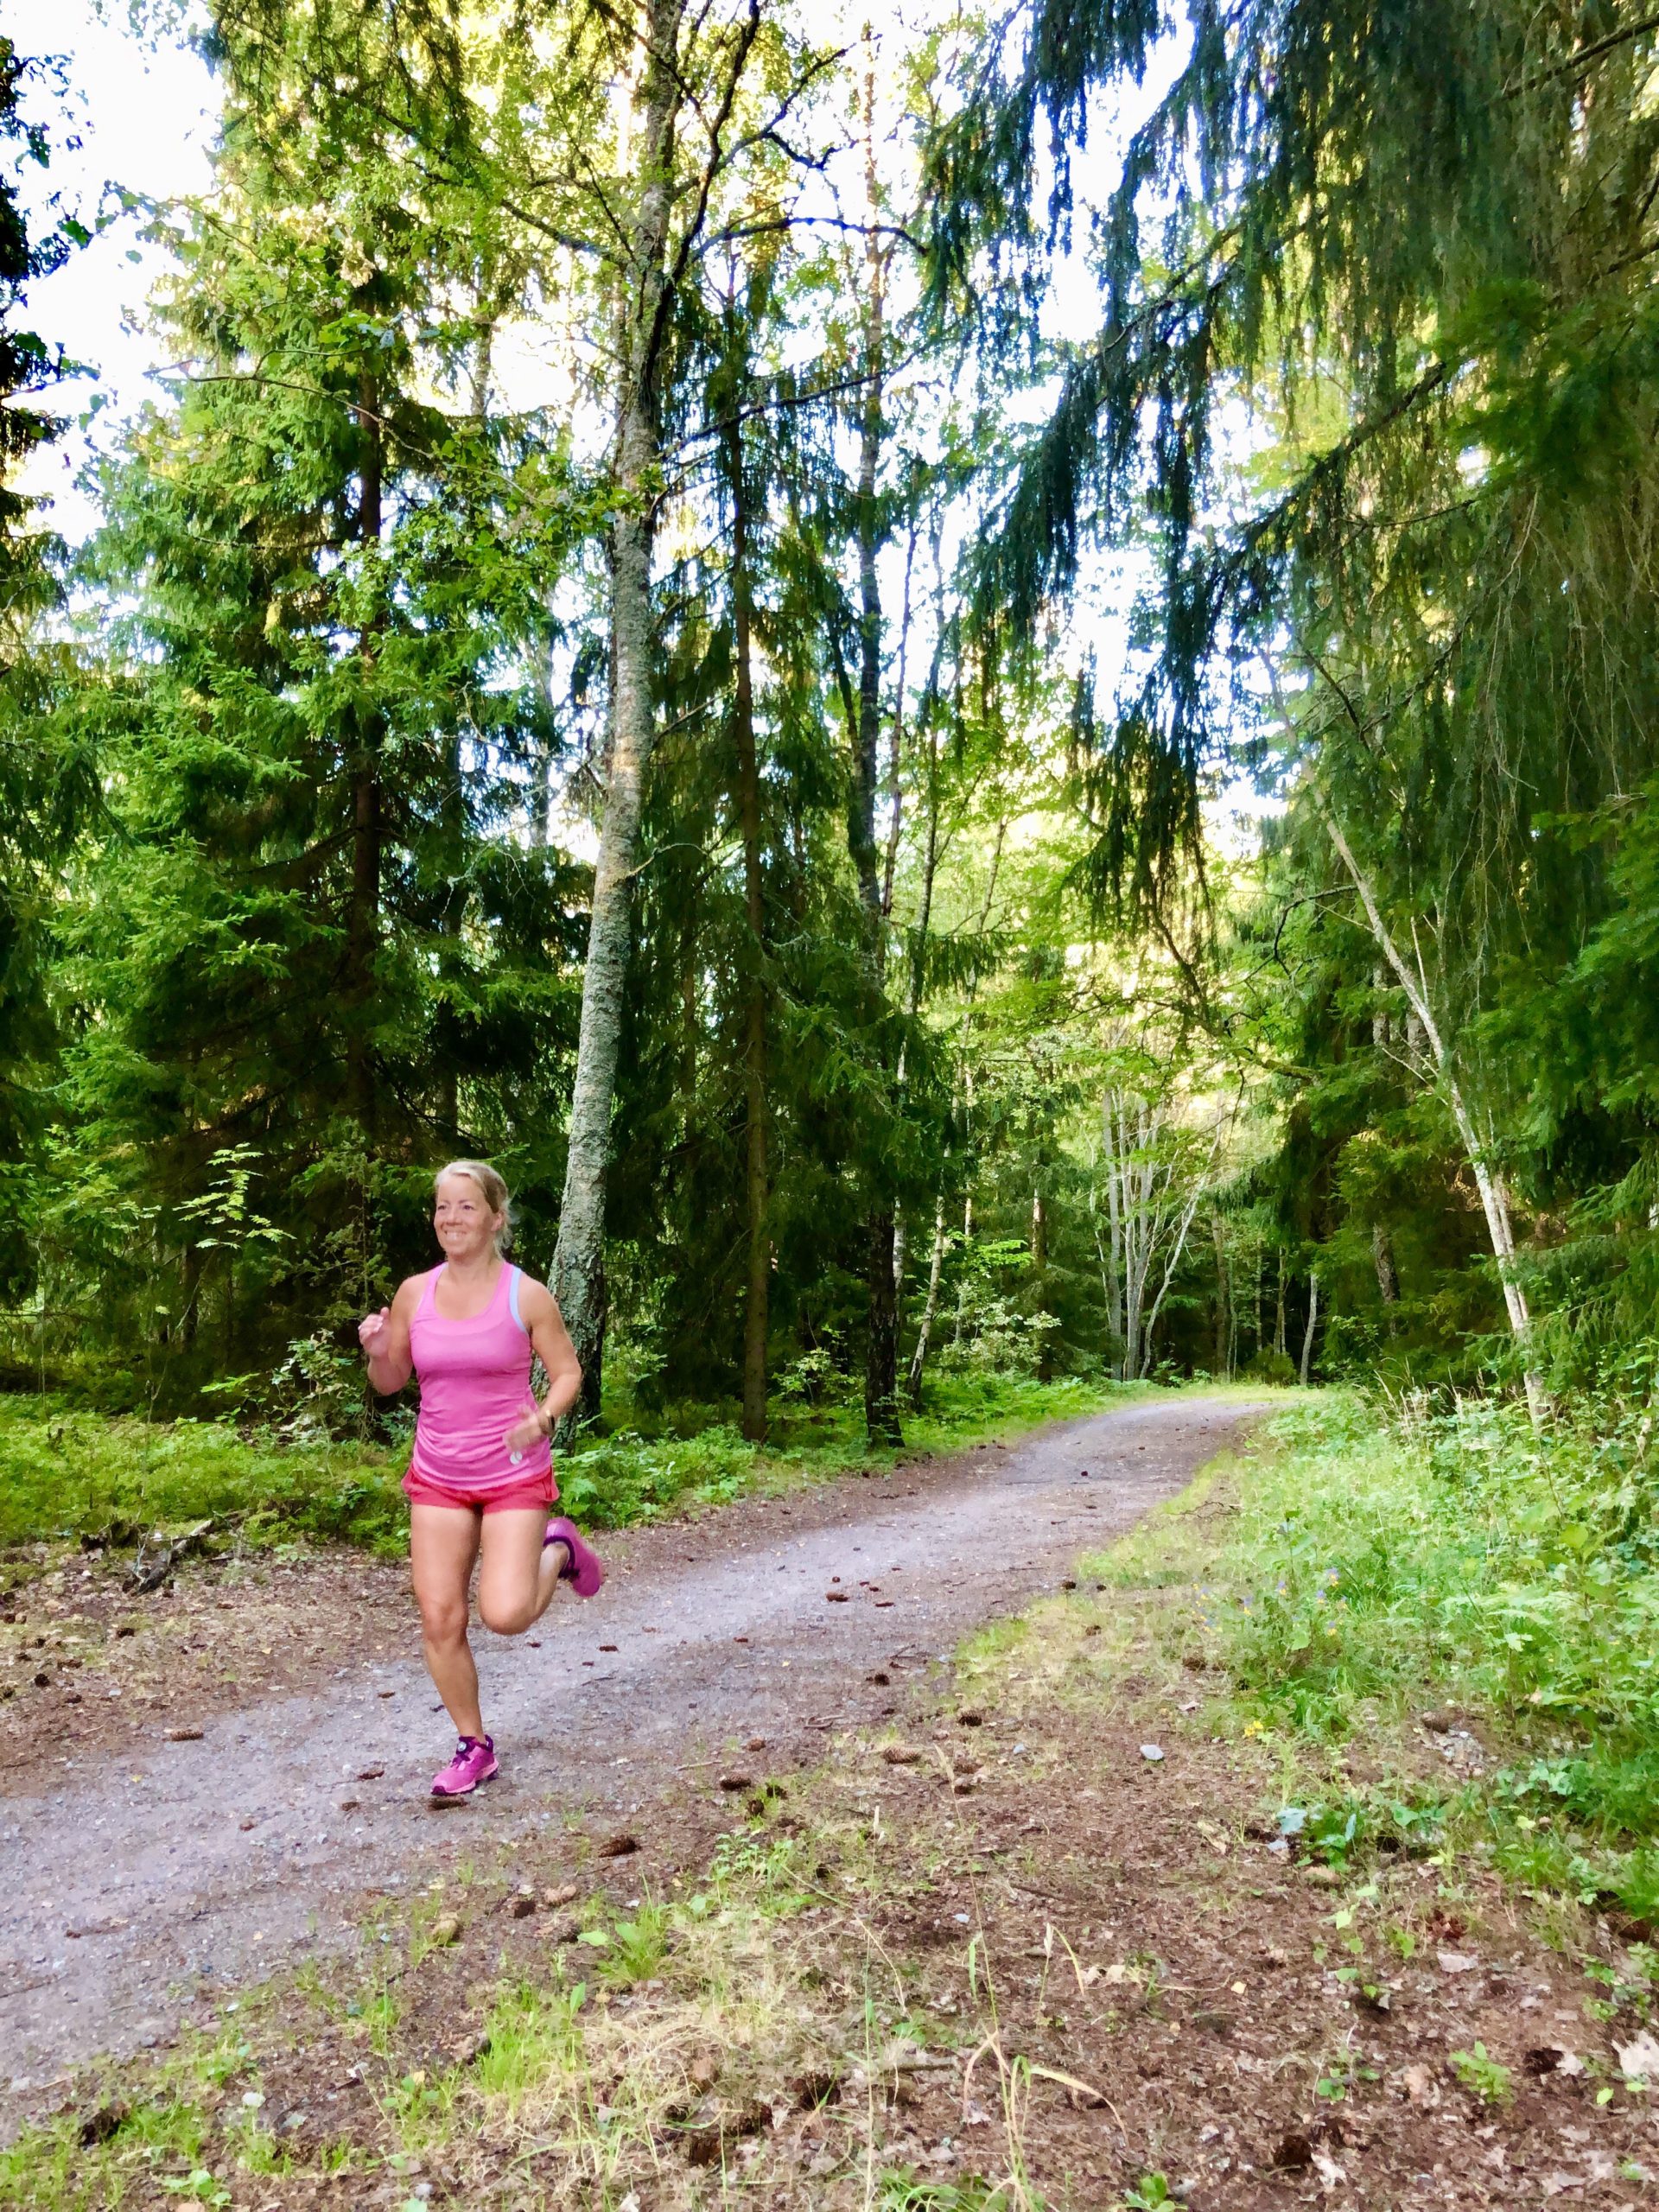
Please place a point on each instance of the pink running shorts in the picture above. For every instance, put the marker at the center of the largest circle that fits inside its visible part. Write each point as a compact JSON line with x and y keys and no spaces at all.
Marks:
{"x":537,"y":1494}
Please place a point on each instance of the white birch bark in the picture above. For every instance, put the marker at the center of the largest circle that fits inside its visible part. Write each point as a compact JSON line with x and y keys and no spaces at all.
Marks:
{"x":1152,"y":1190}
{"x":579,"y":1259}
{"x":930,"y":1307}
{"x":1488,"y":1181}
{"x":646,"y":278}
{"x":1313,"y":1323}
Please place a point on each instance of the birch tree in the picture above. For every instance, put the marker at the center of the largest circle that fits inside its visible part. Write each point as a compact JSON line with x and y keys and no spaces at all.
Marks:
{"x":1154,"y":1163}
{"x":1435,"y":1059}
{"x":684,"y":68}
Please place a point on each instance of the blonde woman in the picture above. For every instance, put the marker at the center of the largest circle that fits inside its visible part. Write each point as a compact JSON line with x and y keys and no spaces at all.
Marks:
{"x":480,"y":1480}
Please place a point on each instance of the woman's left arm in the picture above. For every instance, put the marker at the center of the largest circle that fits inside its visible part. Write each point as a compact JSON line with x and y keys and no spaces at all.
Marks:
{"x":545,"y":1324}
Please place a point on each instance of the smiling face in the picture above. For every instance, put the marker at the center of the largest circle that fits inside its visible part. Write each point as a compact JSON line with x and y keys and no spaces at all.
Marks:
{"x":461,"y":1214}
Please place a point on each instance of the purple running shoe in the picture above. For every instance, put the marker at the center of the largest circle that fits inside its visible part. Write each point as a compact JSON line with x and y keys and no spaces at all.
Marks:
{"x":583,"y":1569}
{"x":474,"y":1762}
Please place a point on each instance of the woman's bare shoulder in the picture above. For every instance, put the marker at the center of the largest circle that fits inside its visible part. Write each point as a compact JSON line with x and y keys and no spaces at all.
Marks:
{"x":536,"y":1301}
{"x":409,"y":1292}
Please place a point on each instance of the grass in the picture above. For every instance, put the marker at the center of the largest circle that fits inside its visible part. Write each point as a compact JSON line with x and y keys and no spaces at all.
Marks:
{"x":593,"y":2103}
{"x":1310,"y":1598}
{"x":1383,"y":1564}
{"x":65,"y":1473}
{"x":738,"y":2020}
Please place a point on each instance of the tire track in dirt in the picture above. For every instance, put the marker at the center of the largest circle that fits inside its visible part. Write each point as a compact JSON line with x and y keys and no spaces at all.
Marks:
{"x":183,"y":1869}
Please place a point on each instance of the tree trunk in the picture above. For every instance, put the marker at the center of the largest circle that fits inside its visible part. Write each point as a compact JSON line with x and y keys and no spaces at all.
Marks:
{"x":967,"y":1217}
{"x":449,"y":925}
{"x":1111,"y":1278}
{"x":881,"y":1366}
{"x":1177,"y":1246}
{"x":923,"y":910}
{"x":363,"y":914}
{"x":1039,"y":1270}
{"x":967,"y":1066}
{"x":1493,"y":1197}
{"x":190,"y":1311}
{"x":882,"y":1351}
{"x":1117,"y":1303}
{"x":1388,"y":1282}
{"x":540,"y":806}
{"x":453,"y":918}
{"x":1279,"y":1345}
{"x":579,"y":1259}
{"x":895,"y":755}
{"x":1151,"y":1208}
{"x":757,"y":1289}
{"x":930,"y":1307}
{"x":861,"y":826}
{"x":691,"y":1028}
{"x":1312,"y":1323}
{"x":1224,"y":1297}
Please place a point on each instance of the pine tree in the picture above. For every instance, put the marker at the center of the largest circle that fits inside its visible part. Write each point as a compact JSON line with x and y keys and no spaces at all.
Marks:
{"x":48,"y":787}
{"x":315,"y":721}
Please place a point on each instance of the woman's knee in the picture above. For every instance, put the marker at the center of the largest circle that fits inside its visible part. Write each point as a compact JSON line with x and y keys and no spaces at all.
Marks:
{"x":444,"y":1621}
{"x":504,"y":1616}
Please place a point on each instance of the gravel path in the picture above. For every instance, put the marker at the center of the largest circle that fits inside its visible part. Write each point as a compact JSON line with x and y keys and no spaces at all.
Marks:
{"x":159,"y":1874}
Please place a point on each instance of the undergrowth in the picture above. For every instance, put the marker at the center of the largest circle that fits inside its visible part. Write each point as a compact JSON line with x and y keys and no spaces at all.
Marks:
{"x":1387,"y":1564}
{"x":65,"y":1473}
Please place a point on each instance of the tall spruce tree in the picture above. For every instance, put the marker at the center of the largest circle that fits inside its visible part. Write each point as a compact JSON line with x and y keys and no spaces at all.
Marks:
{"x":47,"y":788}
{"x":316,"y":721}
{"x":1419,"y":243}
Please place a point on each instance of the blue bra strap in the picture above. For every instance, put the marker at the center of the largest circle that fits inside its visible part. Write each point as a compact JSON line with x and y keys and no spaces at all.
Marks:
{"x":513,"y":1297}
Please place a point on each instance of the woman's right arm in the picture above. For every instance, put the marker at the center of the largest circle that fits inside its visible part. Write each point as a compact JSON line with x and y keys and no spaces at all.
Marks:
{"x":384,"y":1338}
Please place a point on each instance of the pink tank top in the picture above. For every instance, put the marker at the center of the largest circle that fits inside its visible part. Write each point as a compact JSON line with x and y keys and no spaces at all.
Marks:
{"x":474,"y":1384}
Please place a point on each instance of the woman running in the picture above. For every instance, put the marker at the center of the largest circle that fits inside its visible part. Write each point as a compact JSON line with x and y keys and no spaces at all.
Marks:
{"x":482,"y":1476}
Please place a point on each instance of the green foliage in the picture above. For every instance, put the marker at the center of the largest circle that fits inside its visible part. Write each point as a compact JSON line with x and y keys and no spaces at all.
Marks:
{"x":1149,"y":2193}
{"x":1385,"y":1558}
{"x":625,"y":1477}
{"x":905,"y":2191}
{"x":26,"y":361}
{"x":48,"y":786}
{"x":638,"y":1945}
{"x":67,"y":1472}
{"x":1487,"y":2077}
{"x":1416,"y":607}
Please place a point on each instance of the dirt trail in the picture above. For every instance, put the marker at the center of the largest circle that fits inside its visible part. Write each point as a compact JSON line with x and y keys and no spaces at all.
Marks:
{"x":162,"y":1871}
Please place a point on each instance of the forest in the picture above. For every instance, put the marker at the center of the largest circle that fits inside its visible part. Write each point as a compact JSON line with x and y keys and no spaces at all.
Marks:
{"x":978,"y":692}
{"x":979,"y":687}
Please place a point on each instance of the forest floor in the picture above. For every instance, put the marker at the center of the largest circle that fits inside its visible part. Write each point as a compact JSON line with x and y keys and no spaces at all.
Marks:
{"x":166,"y":1834}
{"x":1035,"y":1928}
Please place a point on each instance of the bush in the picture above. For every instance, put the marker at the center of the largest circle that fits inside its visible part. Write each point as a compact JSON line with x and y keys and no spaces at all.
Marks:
{"x":627,"y":1478}
{"x":66,"y":1472}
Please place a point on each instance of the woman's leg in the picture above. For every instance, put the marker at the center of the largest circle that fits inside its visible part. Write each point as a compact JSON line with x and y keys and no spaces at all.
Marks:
{"x":520,"y":1573}
{"x":443,"y":1545}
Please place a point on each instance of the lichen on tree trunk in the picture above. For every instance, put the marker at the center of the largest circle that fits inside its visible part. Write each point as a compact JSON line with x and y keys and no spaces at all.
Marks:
{"x":757,"y":1289}
{"x":579,"y":1261}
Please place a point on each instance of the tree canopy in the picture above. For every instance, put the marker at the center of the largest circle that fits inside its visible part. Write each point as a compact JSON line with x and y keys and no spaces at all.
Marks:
{"x":635,"y":638}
